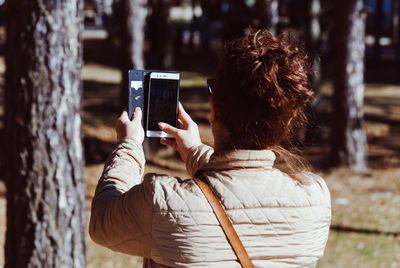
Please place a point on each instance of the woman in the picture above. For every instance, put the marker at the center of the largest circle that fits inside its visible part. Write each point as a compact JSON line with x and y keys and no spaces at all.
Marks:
{"x":257,"y":96}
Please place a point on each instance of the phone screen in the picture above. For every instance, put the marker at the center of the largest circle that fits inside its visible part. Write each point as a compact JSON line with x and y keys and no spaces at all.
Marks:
{"x":163,"y":102}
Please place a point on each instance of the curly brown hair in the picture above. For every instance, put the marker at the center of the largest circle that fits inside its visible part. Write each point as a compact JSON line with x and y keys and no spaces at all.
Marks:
{"x":262,"y":86}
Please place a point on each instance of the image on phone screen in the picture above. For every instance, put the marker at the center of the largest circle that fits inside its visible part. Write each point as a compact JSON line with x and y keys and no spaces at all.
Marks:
{"x":163,"y":102}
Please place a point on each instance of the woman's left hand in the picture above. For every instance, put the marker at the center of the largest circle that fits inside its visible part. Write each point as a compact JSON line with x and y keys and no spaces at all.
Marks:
{"x":130,"y":129}
{"x":186,"y":136}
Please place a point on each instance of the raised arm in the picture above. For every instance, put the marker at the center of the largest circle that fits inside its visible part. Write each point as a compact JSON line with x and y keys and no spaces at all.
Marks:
{"x":122,"y":205}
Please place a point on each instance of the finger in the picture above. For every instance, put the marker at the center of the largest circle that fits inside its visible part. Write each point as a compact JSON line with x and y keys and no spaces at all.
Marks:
{"x":137,"y":115}
{"x":183,"y":115}
{"x":169,"y":142}
{"x":168,"y":129}
{"x":124,"y":116}
{"x":180,"y":124}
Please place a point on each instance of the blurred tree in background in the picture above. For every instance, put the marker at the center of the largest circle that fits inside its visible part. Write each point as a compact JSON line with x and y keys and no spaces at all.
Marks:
{"x":44,"y":176}
{"x":396,"y":29}
{"x":378,"y":30}
{"x":349,"y":141}
{"x":133,"y":17}
{"x":313,"y":40}
{"x":267,"y":12}
{"x":161,"y":34}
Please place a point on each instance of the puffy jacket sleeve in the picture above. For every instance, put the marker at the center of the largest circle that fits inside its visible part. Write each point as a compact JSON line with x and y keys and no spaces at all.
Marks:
{"x":122,"y":205}
{"x":197,"y":157}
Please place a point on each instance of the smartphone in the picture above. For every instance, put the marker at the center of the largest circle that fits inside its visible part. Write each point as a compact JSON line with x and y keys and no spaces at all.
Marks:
{"x":163,"y":99}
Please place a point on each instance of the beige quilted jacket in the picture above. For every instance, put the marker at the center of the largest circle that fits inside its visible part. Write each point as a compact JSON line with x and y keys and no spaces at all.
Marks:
{"x":282,"y":222}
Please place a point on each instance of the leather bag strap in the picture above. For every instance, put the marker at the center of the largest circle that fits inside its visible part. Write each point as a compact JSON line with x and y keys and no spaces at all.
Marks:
{"x":226,"y":224}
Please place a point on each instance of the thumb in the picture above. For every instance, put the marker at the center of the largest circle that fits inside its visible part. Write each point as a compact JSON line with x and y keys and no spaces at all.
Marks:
{"x":168,"y":129}
{"x":124,"y":116}
{"x":137,"y":115}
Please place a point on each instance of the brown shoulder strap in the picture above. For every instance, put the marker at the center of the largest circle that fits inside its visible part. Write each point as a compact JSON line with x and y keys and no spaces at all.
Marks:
{"x":226,"y":224}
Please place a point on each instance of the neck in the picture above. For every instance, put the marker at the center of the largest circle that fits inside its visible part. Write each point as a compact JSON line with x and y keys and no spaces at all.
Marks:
{"x":221,"y":137}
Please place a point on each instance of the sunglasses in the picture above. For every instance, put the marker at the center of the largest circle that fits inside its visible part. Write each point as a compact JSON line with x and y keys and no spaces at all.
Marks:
{"x":210,"y":85}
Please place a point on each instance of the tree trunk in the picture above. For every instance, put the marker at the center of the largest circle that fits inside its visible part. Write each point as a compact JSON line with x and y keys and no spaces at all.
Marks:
{"x":102,"y":8}
{"x":161,"y":36}
{"x":313,"y":39}
{"x":134,"y":14}
{"x":313,"y":42}
{"x":396,"y":29}
{"x":45,"y":182}
{"x":378,"y":30}
{"x":349,"y":144}
{"x":268,"y":14}
{"x":395,"y":21}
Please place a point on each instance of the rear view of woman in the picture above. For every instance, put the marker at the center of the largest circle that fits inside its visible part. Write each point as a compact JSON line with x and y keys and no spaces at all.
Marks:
{"x":257,"y":96}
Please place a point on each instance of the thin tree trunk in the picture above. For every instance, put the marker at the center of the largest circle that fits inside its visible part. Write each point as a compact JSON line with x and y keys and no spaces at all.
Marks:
{"x":45,"y":183}
{"x":99,"y":11}
{"x":102,"y":8}
{"x":313,"y":41}
{"x":396,"y":29}
{"x":349,"y":143}
{"x":268,"y":14}
{"x":272,"y":15}
{"x":395,"y":21}
{"x":378,"y":30}
{"x":161,"y":36}
{"x":133,"y":20}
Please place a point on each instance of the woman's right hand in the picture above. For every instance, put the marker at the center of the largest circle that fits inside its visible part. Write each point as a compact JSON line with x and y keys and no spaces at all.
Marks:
{"x":130,"y":129}
{"x":186,"y":136}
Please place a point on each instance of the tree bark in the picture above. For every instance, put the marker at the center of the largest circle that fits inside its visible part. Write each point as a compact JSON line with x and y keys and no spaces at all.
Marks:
{"x":134,"y":14}
{"x":44,"y":178}
{"x":349,"y":143}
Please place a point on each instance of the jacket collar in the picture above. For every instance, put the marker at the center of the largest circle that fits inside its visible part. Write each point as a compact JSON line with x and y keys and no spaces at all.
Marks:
{"x":240,"y":159}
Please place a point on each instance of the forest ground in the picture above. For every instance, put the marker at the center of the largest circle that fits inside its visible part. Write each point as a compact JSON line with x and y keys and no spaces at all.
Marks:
{"x":365,"y":207}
